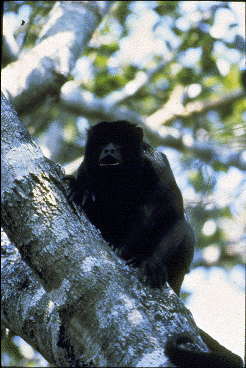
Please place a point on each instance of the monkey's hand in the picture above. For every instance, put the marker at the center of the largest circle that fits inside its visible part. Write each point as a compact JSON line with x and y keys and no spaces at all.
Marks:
{"x":77,"y":192}
{"x":70,"y":179}
{"x":124,"y":253}
{"x":71,"y":193}
{"x":152,"y":272}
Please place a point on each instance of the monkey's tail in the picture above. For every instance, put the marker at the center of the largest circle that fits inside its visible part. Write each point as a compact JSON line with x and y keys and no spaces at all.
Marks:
{"x":219,"y":357}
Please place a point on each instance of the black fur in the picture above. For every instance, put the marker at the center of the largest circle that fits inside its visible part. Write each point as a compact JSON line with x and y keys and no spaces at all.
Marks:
{"x":128,"y":191}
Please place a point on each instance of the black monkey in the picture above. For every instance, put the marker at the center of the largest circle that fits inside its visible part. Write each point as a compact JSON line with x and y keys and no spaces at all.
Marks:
{"x":128,"y":191}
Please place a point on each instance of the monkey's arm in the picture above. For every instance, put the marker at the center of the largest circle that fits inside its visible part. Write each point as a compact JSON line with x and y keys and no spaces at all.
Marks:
{"x":166,"y":236}
{"x":171,"y":259}
{"x":166,"y":257}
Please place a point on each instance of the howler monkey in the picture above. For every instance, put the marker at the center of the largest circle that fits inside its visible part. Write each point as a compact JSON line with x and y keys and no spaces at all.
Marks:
{"x":128,"y":191}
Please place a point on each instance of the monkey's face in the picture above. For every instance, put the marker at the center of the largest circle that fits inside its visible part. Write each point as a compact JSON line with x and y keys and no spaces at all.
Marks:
{"x":114,"y":146}
{"x":110,"y":155}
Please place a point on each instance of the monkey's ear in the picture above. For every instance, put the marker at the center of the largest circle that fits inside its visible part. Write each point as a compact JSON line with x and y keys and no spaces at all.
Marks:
{"x":140,"y":133}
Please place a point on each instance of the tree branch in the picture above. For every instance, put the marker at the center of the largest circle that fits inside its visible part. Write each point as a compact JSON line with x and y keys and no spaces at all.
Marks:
{"x":23,"y":299}
{"x":86,"y":104}
{"x":107,"y":317}
{"x":45,"y":68}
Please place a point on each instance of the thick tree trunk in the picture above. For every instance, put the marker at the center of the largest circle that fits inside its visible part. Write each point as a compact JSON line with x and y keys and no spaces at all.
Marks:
{"x":91,"y":308}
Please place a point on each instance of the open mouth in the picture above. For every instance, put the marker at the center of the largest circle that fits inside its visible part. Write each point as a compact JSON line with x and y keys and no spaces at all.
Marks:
{"x":108,"y":161}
